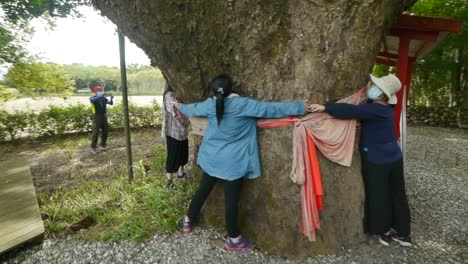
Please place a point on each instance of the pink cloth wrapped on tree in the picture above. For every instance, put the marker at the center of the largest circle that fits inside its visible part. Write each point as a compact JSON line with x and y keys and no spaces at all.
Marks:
{"x":334,"y":138}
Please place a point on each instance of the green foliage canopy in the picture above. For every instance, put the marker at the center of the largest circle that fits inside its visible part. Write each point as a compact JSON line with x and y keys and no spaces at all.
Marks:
{"x":439,"y":79}
{"x":24,"y":10}
{"x":10,"y":50}
{"x":39,"y":77}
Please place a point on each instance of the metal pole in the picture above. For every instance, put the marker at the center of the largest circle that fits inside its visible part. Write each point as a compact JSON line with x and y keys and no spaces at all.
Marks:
{"x":403,"y":127}
{"x":123,"y":76}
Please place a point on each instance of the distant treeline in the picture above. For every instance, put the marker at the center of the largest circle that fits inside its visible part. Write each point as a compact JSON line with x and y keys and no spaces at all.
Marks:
{"x":138,"y":77}
{"x":51,"y":78}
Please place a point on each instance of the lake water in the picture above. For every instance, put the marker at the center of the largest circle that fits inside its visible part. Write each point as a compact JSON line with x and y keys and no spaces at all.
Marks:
{"x":37,"y":104}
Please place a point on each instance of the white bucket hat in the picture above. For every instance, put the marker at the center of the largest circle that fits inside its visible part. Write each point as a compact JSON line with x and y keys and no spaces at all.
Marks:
{"x":389,"y":85}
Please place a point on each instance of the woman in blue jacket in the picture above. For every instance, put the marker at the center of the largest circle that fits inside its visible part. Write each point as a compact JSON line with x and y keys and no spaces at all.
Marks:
{"x":229,"y":150}
{"x":387,"y":212}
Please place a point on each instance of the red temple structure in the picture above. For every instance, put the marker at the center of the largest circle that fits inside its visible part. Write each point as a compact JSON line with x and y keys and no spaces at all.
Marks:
{"x":409,"y":39}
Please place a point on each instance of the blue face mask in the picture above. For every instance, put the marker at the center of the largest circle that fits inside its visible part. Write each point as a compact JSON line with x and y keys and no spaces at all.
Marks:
{"x":100,"y":94}
{"x":374,"y":92}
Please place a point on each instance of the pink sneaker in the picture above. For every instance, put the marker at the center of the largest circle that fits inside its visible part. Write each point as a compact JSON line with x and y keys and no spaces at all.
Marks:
{"x":186,"y":225}
{"x":242,"y":244}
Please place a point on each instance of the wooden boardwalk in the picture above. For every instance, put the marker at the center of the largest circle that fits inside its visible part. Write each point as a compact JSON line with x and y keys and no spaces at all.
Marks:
{"x":20,"y":219}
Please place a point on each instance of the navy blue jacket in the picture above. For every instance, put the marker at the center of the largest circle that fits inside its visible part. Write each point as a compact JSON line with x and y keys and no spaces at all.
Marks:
{"x":98,"y":104}
{"x":377,"y":129}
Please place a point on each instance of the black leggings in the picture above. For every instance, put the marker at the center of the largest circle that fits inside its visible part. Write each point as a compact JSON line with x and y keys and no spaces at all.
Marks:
{"x":177,"y":154}
{"x":386,"y":205}
{"x":231,"y":199}
{"x":100,"y":123}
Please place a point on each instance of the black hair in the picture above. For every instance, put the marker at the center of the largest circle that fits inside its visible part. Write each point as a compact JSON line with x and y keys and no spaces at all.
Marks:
{"x":167,"y":89}
{"x":221,"y":86}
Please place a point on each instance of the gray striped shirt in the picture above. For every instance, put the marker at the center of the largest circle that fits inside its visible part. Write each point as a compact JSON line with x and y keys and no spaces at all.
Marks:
{"x":175,"y":123}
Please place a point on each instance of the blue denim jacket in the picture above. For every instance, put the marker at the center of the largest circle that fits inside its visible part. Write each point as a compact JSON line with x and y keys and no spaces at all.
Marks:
{"x":230,"y":151}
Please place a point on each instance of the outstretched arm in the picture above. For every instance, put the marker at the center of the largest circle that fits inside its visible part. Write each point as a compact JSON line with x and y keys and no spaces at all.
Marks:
{"x":258,"y":109}
{"x":95,"y":98}
{"x":349,"y":111}
{"x":196,"y":109}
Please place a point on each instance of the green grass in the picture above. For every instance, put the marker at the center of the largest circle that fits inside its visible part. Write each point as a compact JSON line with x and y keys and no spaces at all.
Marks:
{"x":122,"y":210}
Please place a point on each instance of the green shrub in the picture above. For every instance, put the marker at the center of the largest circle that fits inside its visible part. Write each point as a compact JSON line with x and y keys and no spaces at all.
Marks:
{"x":72,"y":119}
{"x":12,"y":124}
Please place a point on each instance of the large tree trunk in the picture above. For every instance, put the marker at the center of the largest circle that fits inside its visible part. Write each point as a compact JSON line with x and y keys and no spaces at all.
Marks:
{"x":276,"y":51}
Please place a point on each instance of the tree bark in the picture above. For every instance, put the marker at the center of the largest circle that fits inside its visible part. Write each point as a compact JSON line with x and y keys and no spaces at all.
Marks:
{"x":281,"y":50}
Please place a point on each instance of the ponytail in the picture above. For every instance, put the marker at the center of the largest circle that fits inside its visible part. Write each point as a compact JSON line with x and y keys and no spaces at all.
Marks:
{"x":222,"y":87}
{"x":219,"y":106}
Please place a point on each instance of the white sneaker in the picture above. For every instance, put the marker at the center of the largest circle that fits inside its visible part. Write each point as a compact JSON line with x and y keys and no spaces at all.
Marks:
{"x":104,"y":148}
{"x":94,"y":150}
{"x":403,"y":241}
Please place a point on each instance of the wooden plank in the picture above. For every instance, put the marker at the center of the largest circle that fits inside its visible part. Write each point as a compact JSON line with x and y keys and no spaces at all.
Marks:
{"x":11,"y":207}
{"x":5,"y":178}
{"x":20,"y":218}
{"x":21,"y":238}
{"x":17,"y":162}
{"x":16,"y":182}
{"x":8,"y":184}
{"x":19,"y":188}
{"x":11,"y":224}
{"x":22,"y":231}
{"x":18,"y":197}
{"x":14,"y":178}
{"x":15,"y":171}
{"x":19,"y":211}
{"x":20,"y":183}
{"x":7,"y":245}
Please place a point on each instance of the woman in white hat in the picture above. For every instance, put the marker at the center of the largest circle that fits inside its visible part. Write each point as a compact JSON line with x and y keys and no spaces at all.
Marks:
{"x":386,"y":207}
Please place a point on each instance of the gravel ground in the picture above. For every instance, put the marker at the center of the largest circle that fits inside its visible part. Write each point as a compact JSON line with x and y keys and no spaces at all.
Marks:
{"x":437,"y":187}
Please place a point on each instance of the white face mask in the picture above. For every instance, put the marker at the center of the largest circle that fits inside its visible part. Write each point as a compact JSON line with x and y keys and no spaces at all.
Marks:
{"x":100,"y":93}
{"x":374,"y":92}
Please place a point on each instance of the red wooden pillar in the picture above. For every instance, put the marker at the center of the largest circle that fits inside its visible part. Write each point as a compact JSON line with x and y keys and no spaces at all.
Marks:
{"x":408,"y":80}
{"x":402,"y":73}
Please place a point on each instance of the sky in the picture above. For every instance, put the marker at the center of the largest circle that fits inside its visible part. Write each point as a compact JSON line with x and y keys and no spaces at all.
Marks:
{"x":90,"y":40}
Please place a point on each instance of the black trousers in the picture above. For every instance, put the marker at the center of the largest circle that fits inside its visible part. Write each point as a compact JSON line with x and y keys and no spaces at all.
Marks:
{"x":386,"y":205}
{"x":100,"y":123}
{"x":231,"y":199}
{"x":177,"y":154}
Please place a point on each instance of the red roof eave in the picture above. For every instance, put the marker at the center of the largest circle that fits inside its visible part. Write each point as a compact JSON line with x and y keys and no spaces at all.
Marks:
{"x":428,"y":24}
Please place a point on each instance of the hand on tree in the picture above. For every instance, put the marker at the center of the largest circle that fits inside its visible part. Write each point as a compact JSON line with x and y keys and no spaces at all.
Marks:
{"x":317,"y":108}
{"x":307,"y":105}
